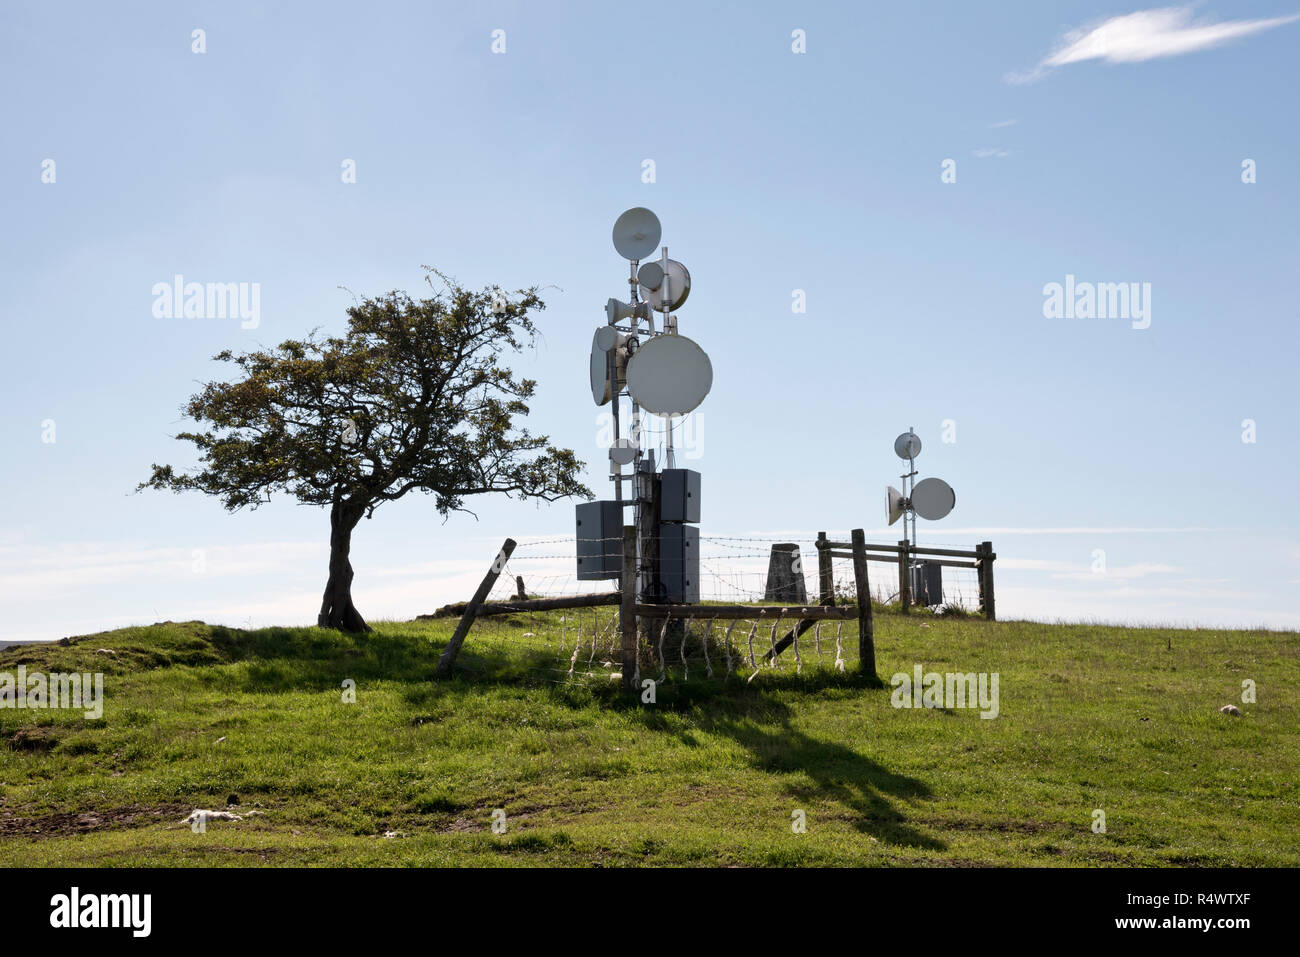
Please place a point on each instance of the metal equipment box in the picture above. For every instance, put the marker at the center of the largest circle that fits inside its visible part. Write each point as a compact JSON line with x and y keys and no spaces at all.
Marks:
{"x":679,"y":495}
{"x":600,"y":540}
{"x":679,"y":565}
{"x":927,"y":584}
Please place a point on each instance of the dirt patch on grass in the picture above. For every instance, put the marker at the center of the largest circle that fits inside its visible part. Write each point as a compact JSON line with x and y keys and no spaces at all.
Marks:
{"x":40,"y":740}
{"x":482,"y":819}
{"x":83,"y":822}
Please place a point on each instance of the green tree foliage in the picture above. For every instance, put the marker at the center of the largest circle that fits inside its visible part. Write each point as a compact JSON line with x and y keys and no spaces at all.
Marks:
{"x":413,"y":397}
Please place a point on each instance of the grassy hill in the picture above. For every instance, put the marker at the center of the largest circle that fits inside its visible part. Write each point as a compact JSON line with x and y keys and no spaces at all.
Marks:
{"x":1118,"y":719}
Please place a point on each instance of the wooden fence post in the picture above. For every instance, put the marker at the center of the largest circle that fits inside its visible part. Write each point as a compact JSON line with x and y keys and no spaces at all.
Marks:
{"x":520,"y":594}
{"x":866,"y":622}
{"x":627,"y":610}
{"x":904,"y":576}
{"x":986,"y":556}
{"x":825,"y":573}
{"x":471,"y":610}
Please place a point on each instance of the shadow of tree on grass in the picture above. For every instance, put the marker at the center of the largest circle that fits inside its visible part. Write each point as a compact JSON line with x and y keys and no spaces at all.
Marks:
{"x":810,"y":769}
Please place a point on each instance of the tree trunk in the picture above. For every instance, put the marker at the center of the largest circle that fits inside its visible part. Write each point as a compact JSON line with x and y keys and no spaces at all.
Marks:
{"x":337,"y":610}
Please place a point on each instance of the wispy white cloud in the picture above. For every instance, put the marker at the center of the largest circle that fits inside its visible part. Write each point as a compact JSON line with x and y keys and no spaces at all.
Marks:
{"x":1146,"y":607}
{"x":1075,"y":530}
{"x":1075,"y":571}
{"x":83,"y":587}
{"x":947,"y":532}
{"x":988,"y":152}
{"x":1002,"y":124}
{"x":1146,"y":35}
{"x":1119,"y":573}
{"x":1037,"y":565}
{"x":37,"y":570}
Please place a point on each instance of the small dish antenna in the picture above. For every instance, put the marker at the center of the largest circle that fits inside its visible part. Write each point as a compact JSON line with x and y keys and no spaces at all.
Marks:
{"x":636,"y":233}
{"x":623,"y":452}
{"x":651,"y":279}
{"x":607,"y":338}
{"x":669,"y":375}
{"x":907,"y":445}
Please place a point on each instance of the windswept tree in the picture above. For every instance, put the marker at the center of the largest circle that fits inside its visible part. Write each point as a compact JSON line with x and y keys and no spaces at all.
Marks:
{"x":414,"y":397}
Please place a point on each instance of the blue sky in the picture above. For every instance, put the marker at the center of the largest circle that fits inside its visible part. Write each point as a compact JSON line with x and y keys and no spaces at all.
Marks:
{"x":1107,"y":149}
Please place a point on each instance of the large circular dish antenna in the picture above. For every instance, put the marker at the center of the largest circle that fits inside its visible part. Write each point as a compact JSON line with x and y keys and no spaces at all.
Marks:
{"x":933,"y":499}
{"x":651,"y":279}
{"x":669,"y":375}
{"x":907,"y":445}
{"x":636,"y":233}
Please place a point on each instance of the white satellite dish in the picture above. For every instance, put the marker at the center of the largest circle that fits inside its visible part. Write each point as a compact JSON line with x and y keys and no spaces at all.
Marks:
{"x":933,"y":498}
{"x":651,"y":278}
{"x":607,"y":338}
{"x":907,"y":445}
{"x":669,"y":375}
{"x":636,"y":233}
{"x":622,"y":452}
{"x":897,"y":504}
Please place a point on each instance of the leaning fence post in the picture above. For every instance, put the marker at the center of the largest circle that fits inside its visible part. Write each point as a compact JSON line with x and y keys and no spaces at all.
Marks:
{"x":866,"y":622}
{"x":627,"y":609}
{"x":471,"y":610}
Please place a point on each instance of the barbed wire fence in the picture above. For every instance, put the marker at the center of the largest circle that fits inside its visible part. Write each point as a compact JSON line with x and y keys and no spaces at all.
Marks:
{"x":568,"y":644}
{"x":735,"y":569}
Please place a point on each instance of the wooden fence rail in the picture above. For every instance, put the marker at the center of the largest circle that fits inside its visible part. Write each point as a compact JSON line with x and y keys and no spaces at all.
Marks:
{"x":980,"y":558}
{"x":799,"y":612}
{"x":530,"y":604}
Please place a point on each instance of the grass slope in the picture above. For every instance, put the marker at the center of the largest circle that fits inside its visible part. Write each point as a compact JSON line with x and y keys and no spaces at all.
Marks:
{"x":1123,"y":720}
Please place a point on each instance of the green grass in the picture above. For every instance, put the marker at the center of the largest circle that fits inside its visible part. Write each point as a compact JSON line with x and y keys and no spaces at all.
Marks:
{"x":1118,"y":719}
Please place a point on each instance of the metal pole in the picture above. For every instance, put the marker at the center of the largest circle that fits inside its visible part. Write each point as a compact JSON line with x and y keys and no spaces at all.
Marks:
{"x":636,"y":440}
{"x":611,"y":370}
{"x":911,"y":467}
{"x":911,"y":490}
{"x":669,"y":461}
